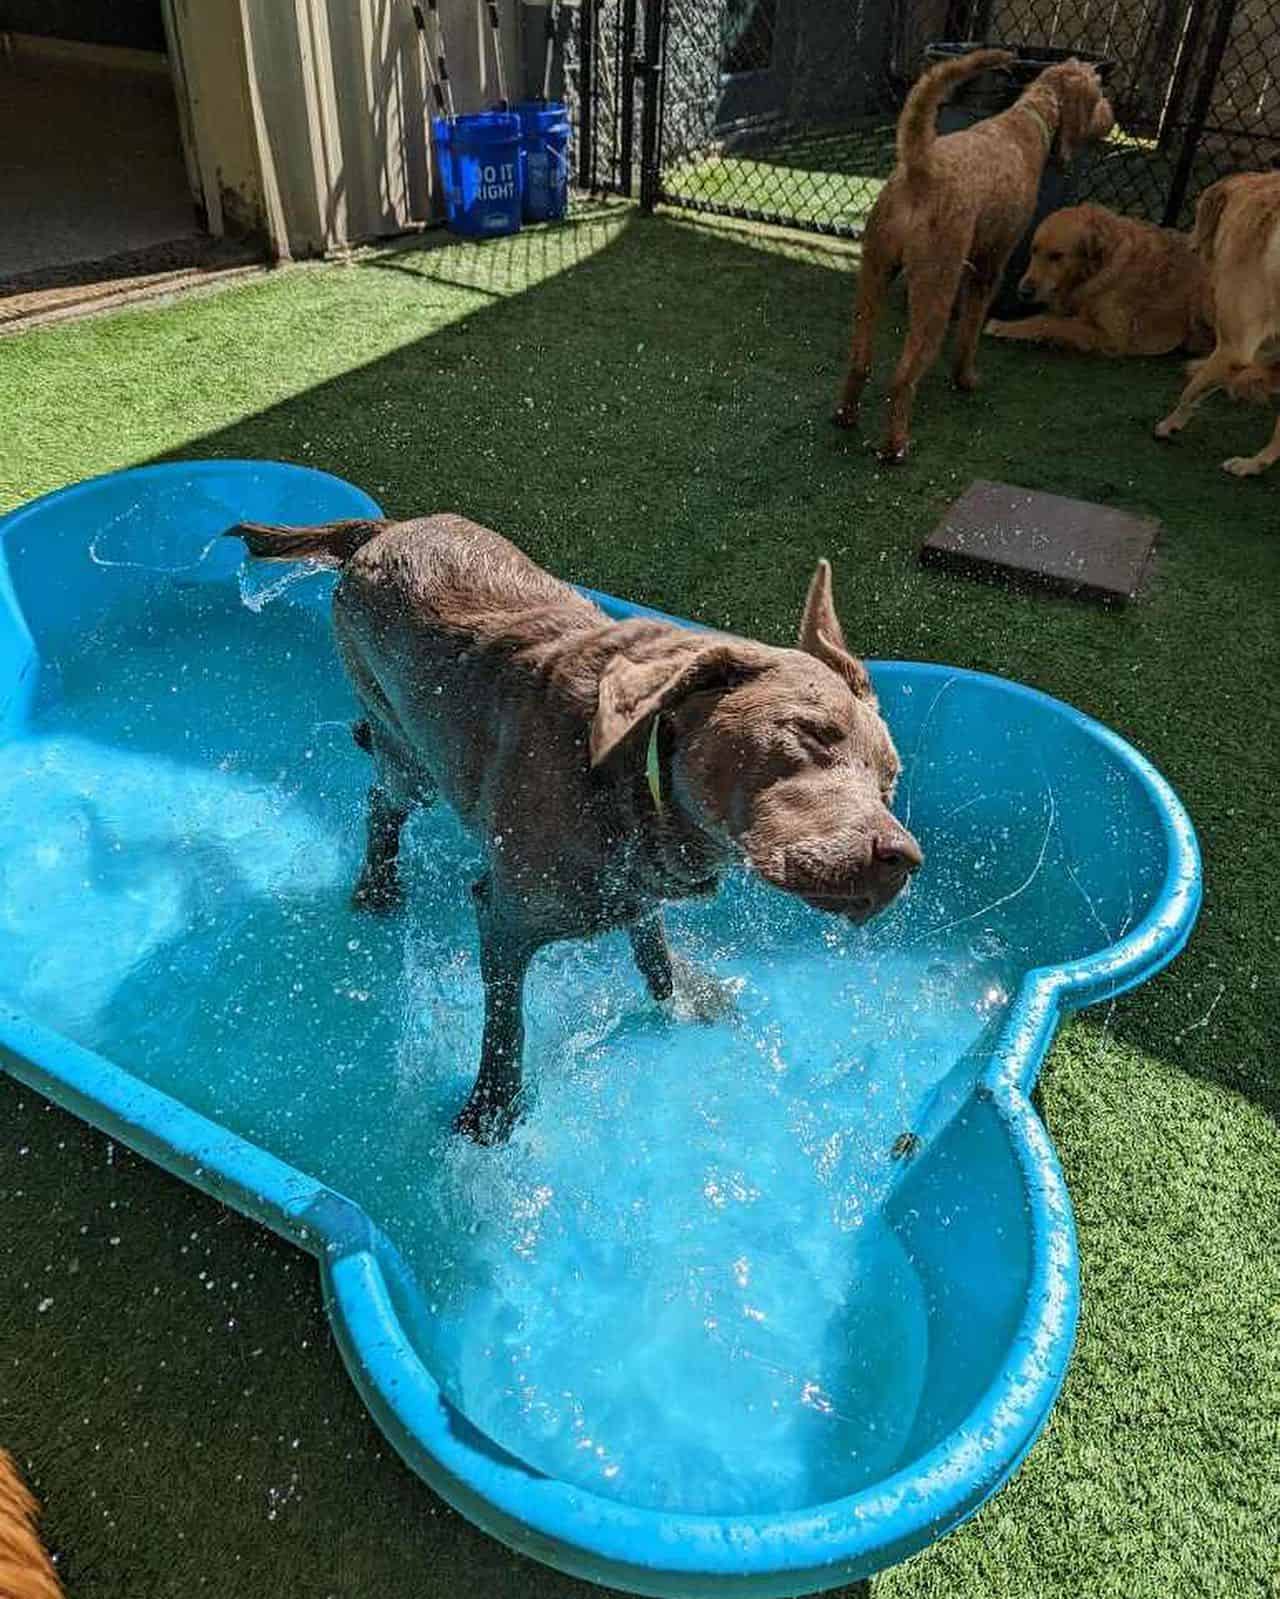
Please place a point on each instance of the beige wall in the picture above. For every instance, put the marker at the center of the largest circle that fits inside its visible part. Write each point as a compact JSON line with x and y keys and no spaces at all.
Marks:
{"x":307,"y":116}
{"x":207,"y":55}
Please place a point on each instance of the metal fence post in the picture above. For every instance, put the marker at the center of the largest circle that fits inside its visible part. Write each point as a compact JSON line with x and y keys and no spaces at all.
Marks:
{"x":627,"y":95}
{"x":587,"y":95}
{"x":1170,"y":113}
{"x":649,"y":70}
{"x":1217,"y":48}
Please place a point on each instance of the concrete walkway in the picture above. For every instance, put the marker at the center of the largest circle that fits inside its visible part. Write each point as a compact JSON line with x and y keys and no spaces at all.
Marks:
{"x":90,"y":166}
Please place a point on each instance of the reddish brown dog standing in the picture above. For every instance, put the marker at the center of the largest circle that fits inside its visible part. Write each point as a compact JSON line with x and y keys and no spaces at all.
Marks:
{"x":1113,"y":286}
{"x":951,"y":215}
{"x":604,"y":766}
{"x":26,"y":1572}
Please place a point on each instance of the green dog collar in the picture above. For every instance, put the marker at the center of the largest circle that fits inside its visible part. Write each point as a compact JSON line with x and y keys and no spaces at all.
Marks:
{"x":1046,"y":132}
{"x":653,"y":767}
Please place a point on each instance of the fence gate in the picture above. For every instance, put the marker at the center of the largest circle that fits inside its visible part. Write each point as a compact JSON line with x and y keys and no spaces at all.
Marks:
{"x":784,"y":110}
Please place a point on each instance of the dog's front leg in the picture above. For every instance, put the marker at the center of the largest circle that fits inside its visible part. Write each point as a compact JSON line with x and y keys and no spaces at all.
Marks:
{"x":492,"y":1107}
{"x":670,"y":977}
{"x":1068,"y":331}
{"x":653,"y":956}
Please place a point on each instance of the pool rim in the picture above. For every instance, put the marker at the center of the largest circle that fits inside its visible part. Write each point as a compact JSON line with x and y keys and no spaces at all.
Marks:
{"x":605,"y":1540}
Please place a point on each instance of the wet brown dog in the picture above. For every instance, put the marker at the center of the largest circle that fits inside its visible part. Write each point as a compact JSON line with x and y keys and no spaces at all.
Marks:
{"x":605,"y":766}
{"x":950,"y":217}
{"x":1237,"y":235}
{"x":1114,"y":286}
{"x":26,"y":1572}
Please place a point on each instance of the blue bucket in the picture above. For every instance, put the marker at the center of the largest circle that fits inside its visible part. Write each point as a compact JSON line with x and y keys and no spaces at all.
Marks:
{"x":544,"y":159}
{"x":480,"y":162}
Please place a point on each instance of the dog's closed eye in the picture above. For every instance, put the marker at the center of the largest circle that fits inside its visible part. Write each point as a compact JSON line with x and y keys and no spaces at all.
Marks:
{"x":822,"y":736}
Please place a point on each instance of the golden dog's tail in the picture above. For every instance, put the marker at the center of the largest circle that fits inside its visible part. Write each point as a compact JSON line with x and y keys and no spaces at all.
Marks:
{"x":1209,"y":211}
{"x":917,"y":126}
{"x":26,"y":1572}
{"x":330,"y":543}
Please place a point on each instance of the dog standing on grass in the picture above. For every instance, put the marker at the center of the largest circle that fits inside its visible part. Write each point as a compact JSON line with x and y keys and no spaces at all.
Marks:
{"x":1237,"y":236}
{"x":26,"y":1572}
{"x":951,"y":216}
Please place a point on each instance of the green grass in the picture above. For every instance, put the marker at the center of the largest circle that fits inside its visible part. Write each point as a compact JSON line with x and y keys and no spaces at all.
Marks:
{"x":830,"y":177}
{"x":826,"y":177}
{"x":643,"y":405}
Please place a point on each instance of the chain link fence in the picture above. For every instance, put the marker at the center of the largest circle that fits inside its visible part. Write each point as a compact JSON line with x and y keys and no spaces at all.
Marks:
{"x":784,"y":110}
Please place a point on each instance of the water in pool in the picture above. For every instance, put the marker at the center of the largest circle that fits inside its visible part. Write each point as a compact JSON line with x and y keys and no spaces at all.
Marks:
{"x":675,"y":1285}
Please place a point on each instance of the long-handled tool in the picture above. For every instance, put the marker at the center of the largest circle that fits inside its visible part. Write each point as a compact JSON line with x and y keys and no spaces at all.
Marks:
{"x":434,"y":64}
{"x":442,"y":66}
{"x":553,"y":28}
{"x":438,"y":85}
{"x":495,"y":30}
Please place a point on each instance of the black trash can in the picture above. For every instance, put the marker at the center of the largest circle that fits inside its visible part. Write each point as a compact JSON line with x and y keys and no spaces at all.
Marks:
{"x":988,"y":94}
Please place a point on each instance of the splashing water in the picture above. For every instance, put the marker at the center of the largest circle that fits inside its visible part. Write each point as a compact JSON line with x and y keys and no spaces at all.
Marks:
{"x":262,"y":582}
{"x":677,"y":1284}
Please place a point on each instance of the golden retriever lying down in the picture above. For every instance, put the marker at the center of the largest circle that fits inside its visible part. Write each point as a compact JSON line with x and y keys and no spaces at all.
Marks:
{"x":1113,"y":286}
{"x":26,"y":1571}
{"x":1237,"y":235}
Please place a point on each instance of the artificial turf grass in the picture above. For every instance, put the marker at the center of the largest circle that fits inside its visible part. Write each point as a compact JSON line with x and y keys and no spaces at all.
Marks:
{"x":643,"y":404}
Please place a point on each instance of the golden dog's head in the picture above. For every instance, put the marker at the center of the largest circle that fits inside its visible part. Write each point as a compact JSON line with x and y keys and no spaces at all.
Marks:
{"x":1069,"y":248}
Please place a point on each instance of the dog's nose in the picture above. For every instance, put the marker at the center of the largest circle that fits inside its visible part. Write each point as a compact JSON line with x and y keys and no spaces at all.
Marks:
{"x":1026,"y":290}
{"x":896,"y":850}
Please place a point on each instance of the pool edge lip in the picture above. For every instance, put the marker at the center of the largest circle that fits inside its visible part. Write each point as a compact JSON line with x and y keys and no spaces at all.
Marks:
{"x":655,"y":1551}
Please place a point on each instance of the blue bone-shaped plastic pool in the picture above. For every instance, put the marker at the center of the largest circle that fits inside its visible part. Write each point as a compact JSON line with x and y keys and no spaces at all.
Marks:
{"x":761,"y":1306}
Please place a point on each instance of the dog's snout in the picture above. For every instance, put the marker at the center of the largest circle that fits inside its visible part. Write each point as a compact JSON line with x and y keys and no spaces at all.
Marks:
{"x":896,"y":850}
{"x":1026,"y":290}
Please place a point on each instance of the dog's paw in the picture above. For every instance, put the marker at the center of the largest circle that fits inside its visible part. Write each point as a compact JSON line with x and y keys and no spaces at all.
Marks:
{"x":698,"y":997}
{"x":1244,"y":466}
{"x":891,"y":454}
{"x":845,"y":417}
{"x":486,"y":1123}
{"x":377,"y":892}
{"x":965,"y":382}
{"x":996,"y":329}
{"x":1168,"y":429}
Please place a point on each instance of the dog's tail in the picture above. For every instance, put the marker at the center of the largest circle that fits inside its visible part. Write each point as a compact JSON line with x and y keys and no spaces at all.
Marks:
{"x":25,"y":1569}
{"x":330,"y":543}
{"x":917,"y":126}
{"x":1212,"y":204}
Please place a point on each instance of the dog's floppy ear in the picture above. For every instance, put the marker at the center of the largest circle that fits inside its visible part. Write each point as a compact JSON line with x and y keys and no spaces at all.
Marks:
{"x":822,"y":635}
{"x":1083,"y":113}
{"x":633,"y":692}
{"x":1095,"y":237}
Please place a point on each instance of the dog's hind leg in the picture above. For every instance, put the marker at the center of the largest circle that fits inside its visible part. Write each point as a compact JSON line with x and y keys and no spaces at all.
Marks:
{"x":1207,"y":376}
{"x":874,"y":275}
{"x":977,"y":290}
{"x":1251,"y":465}
{"x":931,"y":292}
{"x":392,"y":798}
{"x":378,"y":886}
{"x":492,"y":1107}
